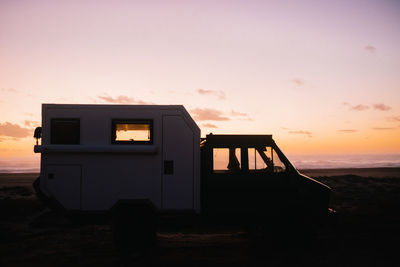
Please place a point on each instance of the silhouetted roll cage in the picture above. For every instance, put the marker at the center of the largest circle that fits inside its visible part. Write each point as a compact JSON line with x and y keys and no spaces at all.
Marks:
{"x":258,"y":141}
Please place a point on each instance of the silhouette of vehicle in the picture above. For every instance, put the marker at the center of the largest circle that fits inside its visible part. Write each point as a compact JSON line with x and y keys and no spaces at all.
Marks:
{"x":248,"y":177}
{"x":138,"y":163}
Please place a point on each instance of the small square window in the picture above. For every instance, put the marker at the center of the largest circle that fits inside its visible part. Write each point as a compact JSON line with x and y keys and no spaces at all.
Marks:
{"x":65,"y":131}
{"x":132,"y":131}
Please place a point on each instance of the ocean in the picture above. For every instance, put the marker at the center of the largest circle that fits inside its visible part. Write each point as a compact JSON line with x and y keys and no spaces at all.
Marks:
{"x":24,"y":165}
{"x":345,"y":161}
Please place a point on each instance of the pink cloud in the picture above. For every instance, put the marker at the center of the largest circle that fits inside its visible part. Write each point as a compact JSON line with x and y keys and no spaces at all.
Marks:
{"x":235,"y":113}
{"x":382,"y":107}
{"x":208,"y":114}
{"x":347,"y":130}
{"x":209,"y":125}
{"x":383,"y":128}
{"x":31,"y":123}
{"x":298,"y":82}
{"x":240,"y":115}
{"x":122,"y":99}
{"x":395,"y":118}
{"x":309,"y":134}
{"x":8,"y":129}
{"x":370,"y":48}
{"x":359,"y":107}
{"x":219,"y":94}
{"x":10,"y":90}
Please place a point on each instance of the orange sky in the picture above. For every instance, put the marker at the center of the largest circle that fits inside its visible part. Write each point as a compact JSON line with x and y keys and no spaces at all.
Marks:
{"x":321,"y":76}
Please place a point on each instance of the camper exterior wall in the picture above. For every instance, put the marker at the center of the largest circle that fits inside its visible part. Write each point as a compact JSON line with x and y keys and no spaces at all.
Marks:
{"x":94,"y":174}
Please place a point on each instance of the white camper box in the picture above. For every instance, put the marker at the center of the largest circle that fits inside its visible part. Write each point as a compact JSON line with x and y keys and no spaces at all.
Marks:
{"x":90,"y":159}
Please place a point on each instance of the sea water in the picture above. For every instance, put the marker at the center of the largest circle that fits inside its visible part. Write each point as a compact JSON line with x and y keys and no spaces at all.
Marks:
{"x":32,"y":165}
{"x":345,"y":161}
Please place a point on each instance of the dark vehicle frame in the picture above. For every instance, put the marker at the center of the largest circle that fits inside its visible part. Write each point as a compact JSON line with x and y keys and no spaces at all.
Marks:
{"x":246,"y":193}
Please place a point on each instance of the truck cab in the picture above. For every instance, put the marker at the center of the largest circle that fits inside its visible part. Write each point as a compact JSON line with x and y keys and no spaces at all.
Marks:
{"x":247,"y":177}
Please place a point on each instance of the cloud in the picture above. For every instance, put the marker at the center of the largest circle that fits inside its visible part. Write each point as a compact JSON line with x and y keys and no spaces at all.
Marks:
{"x":371,"y":49}
{"x":208,"y":114}
{"x":29,"y":114}
{"x":383,"y":128}
{"x":219,"y":94}
{"x":240,"y":115}
{"x":8,"y":129}
{"x":309,"y":134}
{"x":209,"y":125}
{"x":204,"y":91}
{"x":382,"y":107}
{"x":298,"y":82}
{"x":121,"y":99}
{"x":10,"y":90}
{"x":347,"y":130}
{"x":394,"y":118}
{"x":31,"y":123}
{"x":359,"y":107}
{"x":235,"y":113}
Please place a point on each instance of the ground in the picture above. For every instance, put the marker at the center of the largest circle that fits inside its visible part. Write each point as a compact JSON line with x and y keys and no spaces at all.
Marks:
{"x":363,"y":232}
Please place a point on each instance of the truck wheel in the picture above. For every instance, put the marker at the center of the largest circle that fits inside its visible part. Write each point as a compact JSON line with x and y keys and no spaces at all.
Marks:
{"x":134,"y":228}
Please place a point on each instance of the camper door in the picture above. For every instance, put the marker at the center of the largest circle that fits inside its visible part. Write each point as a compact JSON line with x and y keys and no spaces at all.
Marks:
{"x":178,"y":173}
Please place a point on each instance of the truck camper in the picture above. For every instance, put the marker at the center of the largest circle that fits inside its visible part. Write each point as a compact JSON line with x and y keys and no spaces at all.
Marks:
{"x":92,"y":156}
{"x":138,"y":162}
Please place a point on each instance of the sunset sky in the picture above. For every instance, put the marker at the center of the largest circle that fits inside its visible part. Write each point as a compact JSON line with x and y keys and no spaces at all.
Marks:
{"x":322,"y":76}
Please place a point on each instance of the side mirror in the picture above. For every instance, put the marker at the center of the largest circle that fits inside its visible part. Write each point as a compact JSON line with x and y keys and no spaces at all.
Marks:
{"x":37,"y":134}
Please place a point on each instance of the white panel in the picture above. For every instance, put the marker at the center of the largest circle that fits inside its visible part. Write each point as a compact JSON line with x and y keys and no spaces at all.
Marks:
{"x":110,"y":177}
{"x":178,"y":147}
{"x":64,"y":182}
{"x":112,"y":172}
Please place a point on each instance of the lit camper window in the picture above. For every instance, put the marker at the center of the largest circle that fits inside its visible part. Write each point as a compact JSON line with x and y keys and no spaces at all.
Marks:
{"x":65,"y":131}
{"x":132,"y":132}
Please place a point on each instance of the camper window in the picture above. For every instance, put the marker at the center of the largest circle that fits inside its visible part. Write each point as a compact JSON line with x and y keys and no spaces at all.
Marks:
{"x":132,"y":132}
{"x":65,"y":131}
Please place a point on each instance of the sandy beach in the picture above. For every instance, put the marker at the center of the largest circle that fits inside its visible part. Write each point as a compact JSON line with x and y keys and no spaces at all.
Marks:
{"x":363,"y":232}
